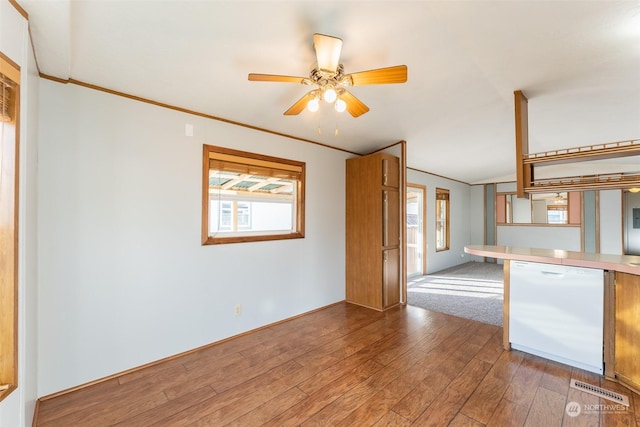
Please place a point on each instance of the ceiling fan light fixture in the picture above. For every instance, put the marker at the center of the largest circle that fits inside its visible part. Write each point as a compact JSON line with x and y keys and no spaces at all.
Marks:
{"x":313,"y":105}
{"x":329,"y":94}
{"x":340,"y":105}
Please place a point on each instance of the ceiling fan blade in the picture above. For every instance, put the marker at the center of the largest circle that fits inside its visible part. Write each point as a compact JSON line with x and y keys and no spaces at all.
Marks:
{"x":275,"y":78}
{"x":300,"y":104}
{"x":355,"y":107}
{"x":397,"y":74}
{"x":327,"y":51}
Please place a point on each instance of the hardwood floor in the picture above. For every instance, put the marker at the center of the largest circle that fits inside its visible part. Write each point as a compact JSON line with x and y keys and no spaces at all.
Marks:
{"x":348,"y":366}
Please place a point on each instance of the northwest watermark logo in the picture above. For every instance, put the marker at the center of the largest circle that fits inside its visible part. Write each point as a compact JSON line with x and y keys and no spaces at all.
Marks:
{"x":605,"y":409}
{"x":573,"y":409}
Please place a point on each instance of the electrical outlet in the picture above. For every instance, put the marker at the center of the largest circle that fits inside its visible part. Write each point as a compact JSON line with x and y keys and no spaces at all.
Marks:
{"x":237,"y":310}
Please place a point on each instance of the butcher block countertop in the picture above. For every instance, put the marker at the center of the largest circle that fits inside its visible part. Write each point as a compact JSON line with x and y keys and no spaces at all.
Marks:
{"x":623,"y":263}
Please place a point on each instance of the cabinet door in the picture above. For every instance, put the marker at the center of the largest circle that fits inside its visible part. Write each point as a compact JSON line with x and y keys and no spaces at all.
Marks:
{"x":391,"y":171}
{"x":627,"y":328}
{"x":390,"y":218}
{"x":390,"y":277}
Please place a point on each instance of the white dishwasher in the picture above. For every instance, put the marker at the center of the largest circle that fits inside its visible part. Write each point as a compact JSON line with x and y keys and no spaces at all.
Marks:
{"x":556,"y":312}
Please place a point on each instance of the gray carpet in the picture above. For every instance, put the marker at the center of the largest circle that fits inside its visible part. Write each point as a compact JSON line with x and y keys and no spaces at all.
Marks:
{"x":473,"y":290}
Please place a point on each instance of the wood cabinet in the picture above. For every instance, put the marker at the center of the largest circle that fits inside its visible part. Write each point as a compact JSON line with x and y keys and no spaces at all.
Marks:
{"x":373,"y":231}
{"x":627,"y":329}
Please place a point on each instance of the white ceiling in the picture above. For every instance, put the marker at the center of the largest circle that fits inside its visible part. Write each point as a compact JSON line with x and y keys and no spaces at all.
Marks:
{"x":578,"y":62}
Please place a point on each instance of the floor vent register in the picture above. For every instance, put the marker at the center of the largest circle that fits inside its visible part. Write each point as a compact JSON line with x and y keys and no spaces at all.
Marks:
{"x":600,"y":392}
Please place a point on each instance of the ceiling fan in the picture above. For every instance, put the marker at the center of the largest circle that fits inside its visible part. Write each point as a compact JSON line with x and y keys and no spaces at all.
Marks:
{"x":330,"y":80}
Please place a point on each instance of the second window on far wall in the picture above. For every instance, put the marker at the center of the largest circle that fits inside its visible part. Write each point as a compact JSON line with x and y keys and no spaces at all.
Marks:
{"x":250,"y":197}
{"x":442,"y":219}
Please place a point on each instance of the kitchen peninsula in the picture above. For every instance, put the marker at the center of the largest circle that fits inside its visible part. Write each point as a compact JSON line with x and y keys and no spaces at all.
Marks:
{"x":546,"y":289}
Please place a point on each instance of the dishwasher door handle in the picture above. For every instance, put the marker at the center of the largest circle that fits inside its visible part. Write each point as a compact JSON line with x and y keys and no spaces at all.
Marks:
{"x":552,"y":273}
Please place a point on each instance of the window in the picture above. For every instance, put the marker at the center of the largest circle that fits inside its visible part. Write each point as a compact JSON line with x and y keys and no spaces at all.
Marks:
{"x":9,"y":154}
{"x":250,"y":197}
{"x":228,"y":211}
{"x":442,"y":219}
{"x":557,"y":215}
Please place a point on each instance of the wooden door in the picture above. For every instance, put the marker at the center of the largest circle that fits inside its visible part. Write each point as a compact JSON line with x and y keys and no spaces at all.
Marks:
{"x":390,"y":277}
{"x":390,"y":218}
{"x":390,"y":171}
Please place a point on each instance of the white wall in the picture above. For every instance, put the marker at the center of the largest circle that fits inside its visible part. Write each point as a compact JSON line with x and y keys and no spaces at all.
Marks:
{"x":17,"y":409}
{"x":13,"y":33}
{"x":123,"y":277}
{"x":459,"y":224}
{"x":476,"y":218}
{"x":530,"y":236}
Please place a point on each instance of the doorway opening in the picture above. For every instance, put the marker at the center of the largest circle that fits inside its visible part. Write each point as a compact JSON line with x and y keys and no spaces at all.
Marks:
{"x":416,"y":239}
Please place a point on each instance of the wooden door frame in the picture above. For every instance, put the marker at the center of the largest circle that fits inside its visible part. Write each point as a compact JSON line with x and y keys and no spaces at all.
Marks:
{"x":9,"y":205}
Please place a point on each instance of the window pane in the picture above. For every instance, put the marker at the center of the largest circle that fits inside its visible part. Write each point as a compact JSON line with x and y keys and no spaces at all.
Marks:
{"x":557,"y":215}
{"x":258,"y":200}
{"x":442,"y":219}
{"x":242,"y":211}
{"x":244,"y":216}
{"x":441,"y":224}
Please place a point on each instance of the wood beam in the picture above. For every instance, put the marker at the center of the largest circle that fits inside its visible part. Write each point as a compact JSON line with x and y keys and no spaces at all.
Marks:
{"x":611,"y":150}
{"x":523,"y":172}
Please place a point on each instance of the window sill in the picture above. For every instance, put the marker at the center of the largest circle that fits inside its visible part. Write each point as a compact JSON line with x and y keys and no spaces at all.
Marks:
{"x":244,"y":239}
